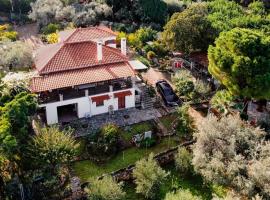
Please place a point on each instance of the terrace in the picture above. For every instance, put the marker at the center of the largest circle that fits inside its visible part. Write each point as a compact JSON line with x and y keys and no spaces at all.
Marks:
{"x":85,"y":90}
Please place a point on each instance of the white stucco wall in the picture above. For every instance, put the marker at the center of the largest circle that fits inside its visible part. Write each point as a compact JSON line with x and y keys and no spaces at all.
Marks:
{"x":86,"y":106}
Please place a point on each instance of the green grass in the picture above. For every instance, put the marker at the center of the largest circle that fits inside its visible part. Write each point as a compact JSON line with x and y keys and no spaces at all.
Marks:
{"x":136,"y":129}
{"x":175,"y":181}
{"x":168,"y":120}
{"x":86,"y":170}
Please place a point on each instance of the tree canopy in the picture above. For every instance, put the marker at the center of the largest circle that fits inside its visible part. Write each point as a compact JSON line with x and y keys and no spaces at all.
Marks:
{"x":232,"y":153}
{"x":148,"y":177}
{"x":189,"y":30}
{"x":240,"y":61}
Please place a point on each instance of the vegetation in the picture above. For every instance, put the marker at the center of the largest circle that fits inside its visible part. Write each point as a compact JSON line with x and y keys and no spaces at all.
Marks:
{"x":184,"y":84}
{"x":6,"y":33}
{"x":15,"y":55}
{"x":183,"y":160}
{"x":185,"y":125}
{"x":239,"y":61}
{"x":181,"y":195}
{"x":189,"y":30}
{"x":87,"y":169}
{"x":222,"y":101}
{"x":231,"y":153}
{"x":148,"y":177}
{"x":52,"y":147}
{"x":105,"y":189}
{"x":200,"y":24}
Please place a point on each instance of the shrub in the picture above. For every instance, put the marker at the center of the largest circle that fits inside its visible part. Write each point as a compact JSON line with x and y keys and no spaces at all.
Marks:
{"x":50,"y":28}
{"x":184,"y":84}
{"x":151,"y":55}
{"x":147,"y":142}
{"x":222,"y":101}
{"x":110,"y":132}
{"x":202,"y":88}
{"x":148,"y":177}
{"x":181,"y":195}
{"x":52,"y":38}
{"x":185,"y":121}
{"x":183,"y":160}
{"x":105,"y":189}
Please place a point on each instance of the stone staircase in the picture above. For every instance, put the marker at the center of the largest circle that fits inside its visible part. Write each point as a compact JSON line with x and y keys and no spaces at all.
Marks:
{"x":147,"y":101}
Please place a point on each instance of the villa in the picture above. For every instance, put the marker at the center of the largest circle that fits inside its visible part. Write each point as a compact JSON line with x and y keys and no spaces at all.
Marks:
{"x":83,"y":75}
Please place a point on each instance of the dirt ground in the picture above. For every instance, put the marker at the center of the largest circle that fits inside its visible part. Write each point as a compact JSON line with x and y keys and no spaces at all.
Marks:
{"x":29,"y":34}
{"x":153,"y":75}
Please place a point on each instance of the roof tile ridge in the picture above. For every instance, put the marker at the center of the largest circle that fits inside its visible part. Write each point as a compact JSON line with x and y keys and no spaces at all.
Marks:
{"x":101,"y":29}
{"x":84,"y":67}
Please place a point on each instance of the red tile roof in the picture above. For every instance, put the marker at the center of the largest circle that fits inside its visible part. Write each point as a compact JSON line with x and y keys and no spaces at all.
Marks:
{"x":74,"y":61}
{"x":81,"y":76}
{"x":80,"y":55}
{"x":90,"y":34}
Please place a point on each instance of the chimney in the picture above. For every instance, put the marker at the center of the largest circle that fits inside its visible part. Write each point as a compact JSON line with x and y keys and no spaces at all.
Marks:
{"x":99,"y":51}
{"x":124,"y":46}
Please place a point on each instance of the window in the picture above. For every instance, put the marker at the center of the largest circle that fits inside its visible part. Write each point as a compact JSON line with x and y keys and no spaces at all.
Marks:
{"x":100,"y":103}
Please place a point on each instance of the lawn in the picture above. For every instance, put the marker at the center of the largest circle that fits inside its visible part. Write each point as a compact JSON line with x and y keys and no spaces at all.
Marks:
{"x":87,"y":169}
{"x":136,"y":129}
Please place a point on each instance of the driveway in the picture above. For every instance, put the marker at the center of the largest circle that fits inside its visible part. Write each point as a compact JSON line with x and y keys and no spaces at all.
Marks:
{"x":152,"y":76}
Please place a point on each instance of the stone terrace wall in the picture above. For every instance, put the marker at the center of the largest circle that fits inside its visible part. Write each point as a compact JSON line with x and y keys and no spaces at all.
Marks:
{"x":163,"y":158}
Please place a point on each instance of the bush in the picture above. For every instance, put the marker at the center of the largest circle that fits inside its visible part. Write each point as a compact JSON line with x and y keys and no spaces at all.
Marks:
{"x":185,"y":121}
{"x":183,"y":160}
{"x":110,"y":132}
{"x":202,"y":88}
{"x":148,"y":177}
{"x":105,"y":189}
{"x":184,"y":84}
{"x":50,"y":28}
{"x":150,"y":55}
{"x":181,"y":195}
{"x":147,"y":142}
{"x":52,"y":38}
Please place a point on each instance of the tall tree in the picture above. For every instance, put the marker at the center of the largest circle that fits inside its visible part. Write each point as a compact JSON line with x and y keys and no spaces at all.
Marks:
{"x":148,"y":177}
{"x":189,"y":30}
{"x":240,"y":61}
{"x":231,"y":153}
{"x":154,"y":10}
{"x":52,"y":147}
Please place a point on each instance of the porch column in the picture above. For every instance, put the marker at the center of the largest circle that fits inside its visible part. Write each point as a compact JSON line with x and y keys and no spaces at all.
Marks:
{"x":61,"y":97}
{"x":51,"y":114}
{"x":86,"y":93}
{"x":111,"y":88}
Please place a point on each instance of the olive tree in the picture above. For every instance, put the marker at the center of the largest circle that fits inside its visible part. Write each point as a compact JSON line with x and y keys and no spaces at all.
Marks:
{"x":181,"y":195}
{"x":183,"y":160}
{"x":105,"y":189}
{"x":148,"y":177}
{"x":15,"y":55}
{"x":232,"y":153}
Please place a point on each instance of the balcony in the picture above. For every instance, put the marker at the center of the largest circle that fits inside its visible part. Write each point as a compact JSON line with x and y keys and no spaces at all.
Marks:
{"x":84,"y":90}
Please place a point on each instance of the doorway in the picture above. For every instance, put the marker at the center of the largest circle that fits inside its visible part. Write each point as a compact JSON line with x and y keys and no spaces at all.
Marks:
{"x":67,"y":113}
{"x":121,"y":102}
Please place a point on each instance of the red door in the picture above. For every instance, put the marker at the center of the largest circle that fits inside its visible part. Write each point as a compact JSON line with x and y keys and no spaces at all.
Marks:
{"x":121,"y":102}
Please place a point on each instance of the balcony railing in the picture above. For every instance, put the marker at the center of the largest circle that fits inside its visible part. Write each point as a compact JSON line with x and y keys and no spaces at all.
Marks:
{"x":81,"y":91}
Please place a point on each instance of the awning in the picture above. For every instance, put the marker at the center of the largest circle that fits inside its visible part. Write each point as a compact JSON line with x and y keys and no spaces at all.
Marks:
{"x":137,"y":65}
{"x":100,"y":98}
{"x":122,"y":94}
